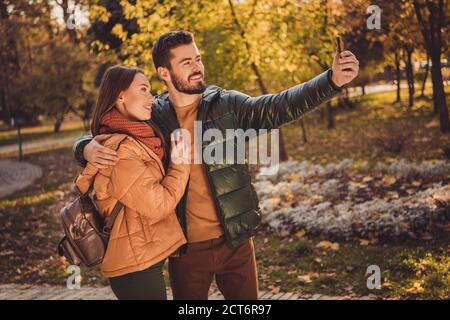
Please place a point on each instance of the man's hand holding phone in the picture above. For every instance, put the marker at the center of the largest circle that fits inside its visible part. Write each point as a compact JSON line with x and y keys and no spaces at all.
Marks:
{"x":345,"y":66}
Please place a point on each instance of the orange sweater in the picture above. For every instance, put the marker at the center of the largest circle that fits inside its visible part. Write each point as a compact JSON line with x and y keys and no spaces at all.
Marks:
{"x":201,"y":215}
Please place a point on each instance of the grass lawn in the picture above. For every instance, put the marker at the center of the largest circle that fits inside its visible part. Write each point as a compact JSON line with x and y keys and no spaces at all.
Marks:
{"x":409,"y":270}
{"x":30,"y":229}
{"x":68,"y":129}
{"x":375,"y":130}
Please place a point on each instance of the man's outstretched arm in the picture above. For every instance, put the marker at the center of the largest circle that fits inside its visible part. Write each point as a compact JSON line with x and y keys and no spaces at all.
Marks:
{"x":89,"y":149}
{"x":271,"y":111}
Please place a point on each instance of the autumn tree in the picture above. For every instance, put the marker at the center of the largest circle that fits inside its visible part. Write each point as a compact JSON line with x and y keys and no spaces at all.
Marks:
{"x":432,"y":16}
{"x":16,"y":17}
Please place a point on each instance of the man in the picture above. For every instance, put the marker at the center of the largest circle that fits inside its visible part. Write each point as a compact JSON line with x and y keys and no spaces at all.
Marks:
{"x":219,"y":211}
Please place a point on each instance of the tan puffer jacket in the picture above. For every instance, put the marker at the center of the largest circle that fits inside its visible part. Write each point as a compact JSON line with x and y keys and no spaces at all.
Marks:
{"x":147,"y":230}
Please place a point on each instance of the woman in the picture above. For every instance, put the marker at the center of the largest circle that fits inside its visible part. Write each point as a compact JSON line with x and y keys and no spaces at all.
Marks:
{"x":147,"y":231}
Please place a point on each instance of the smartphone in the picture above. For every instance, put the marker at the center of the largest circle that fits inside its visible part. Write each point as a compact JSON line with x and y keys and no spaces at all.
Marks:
{"x":339,"y":42}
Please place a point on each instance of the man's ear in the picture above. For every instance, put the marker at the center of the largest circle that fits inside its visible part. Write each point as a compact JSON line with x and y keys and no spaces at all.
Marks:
{"x":163,"y":74}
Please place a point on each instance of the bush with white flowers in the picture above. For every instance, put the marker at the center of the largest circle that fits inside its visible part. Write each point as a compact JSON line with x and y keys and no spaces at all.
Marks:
{"x":350,"y":200}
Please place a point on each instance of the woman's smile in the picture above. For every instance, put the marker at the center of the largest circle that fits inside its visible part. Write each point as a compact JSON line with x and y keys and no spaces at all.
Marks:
{"x":148,"y":108}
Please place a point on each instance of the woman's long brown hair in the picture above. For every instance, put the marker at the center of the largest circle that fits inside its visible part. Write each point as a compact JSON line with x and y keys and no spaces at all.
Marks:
{"x":115,"y":80}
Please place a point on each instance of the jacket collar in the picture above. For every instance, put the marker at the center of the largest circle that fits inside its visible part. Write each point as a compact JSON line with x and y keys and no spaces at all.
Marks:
{"x":165,"y":115}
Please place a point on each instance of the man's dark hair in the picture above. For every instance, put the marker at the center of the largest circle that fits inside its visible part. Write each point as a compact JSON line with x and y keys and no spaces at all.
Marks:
{"x":166,"y":42}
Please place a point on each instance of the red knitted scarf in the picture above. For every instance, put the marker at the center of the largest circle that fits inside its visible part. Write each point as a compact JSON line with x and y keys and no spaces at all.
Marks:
{"x":114,"y":122}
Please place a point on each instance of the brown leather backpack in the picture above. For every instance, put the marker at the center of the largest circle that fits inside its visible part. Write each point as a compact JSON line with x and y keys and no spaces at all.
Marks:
{"x":86,"y":235}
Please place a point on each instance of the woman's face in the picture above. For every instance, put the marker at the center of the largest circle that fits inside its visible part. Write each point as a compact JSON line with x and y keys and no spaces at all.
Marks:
{"x":136,"y":102}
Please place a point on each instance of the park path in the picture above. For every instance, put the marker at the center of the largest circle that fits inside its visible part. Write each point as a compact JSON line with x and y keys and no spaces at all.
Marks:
{"x":47,"y":143}
{"x":46,"y":292}
{"x":15,"y":176}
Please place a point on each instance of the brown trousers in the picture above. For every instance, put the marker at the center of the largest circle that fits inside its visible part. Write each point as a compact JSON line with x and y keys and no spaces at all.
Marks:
{"x":191,"y":274}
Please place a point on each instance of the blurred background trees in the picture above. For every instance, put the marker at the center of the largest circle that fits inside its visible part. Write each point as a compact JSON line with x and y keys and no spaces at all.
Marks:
{"x":51,"y":64}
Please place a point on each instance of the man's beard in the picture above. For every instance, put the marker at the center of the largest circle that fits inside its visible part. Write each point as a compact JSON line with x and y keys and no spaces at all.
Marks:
{"x":185,"y":87}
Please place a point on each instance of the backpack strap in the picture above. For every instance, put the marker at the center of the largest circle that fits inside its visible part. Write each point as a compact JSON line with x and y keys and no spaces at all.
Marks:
{"x":117,"y":208}
{"x":115,"y":212}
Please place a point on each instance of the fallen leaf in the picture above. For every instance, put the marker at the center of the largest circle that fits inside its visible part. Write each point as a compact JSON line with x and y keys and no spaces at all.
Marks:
{"x":6,"y":253}
{"x":274,"y":289}
{"x":304,"y":279}
{"x":389,"y":180}
{"x":300,"y":234}
{"x":293,"y":177}
{"x":289,"y":196}
{"x":416,"y":183}
{"x":275,"y":201}
{"x":25,"y":286}
{"x":364,"y":242}
{"x":392,"y":195}
{"x":328,"y":245}
{"x":404,"y":225}
{"x":317,"y":197}
{"x":330,"y":275}
{"x":416,"y":288}
{"x":432,"y":124}
{"x":426,"y":237}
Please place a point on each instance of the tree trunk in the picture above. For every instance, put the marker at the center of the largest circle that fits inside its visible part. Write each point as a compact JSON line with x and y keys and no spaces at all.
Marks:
{"x":439,"y":101}
{"x":431,"y":29}
{"x":344,"y":100}
{"x":322,"y":114}
{"x":58,"y":123}
{"x":427,"y":69}
{"x":347,"y":100}
{"x":19,"y":142}
{"x":302,"y":125}
{"x":283,"y":153}
{"x":409,"y":75}
{"x":330,"y":116}
{"x":9,"y":64}
{"x":398,"y":75}
{"x":86,"y":123}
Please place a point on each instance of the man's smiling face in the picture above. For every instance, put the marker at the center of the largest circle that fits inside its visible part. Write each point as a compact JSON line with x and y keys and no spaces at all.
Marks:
{"x":187,"y":70}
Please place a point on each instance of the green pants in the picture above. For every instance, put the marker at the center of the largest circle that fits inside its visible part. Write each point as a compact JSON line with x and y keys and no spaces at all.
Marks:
{"x":147,"y":284}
